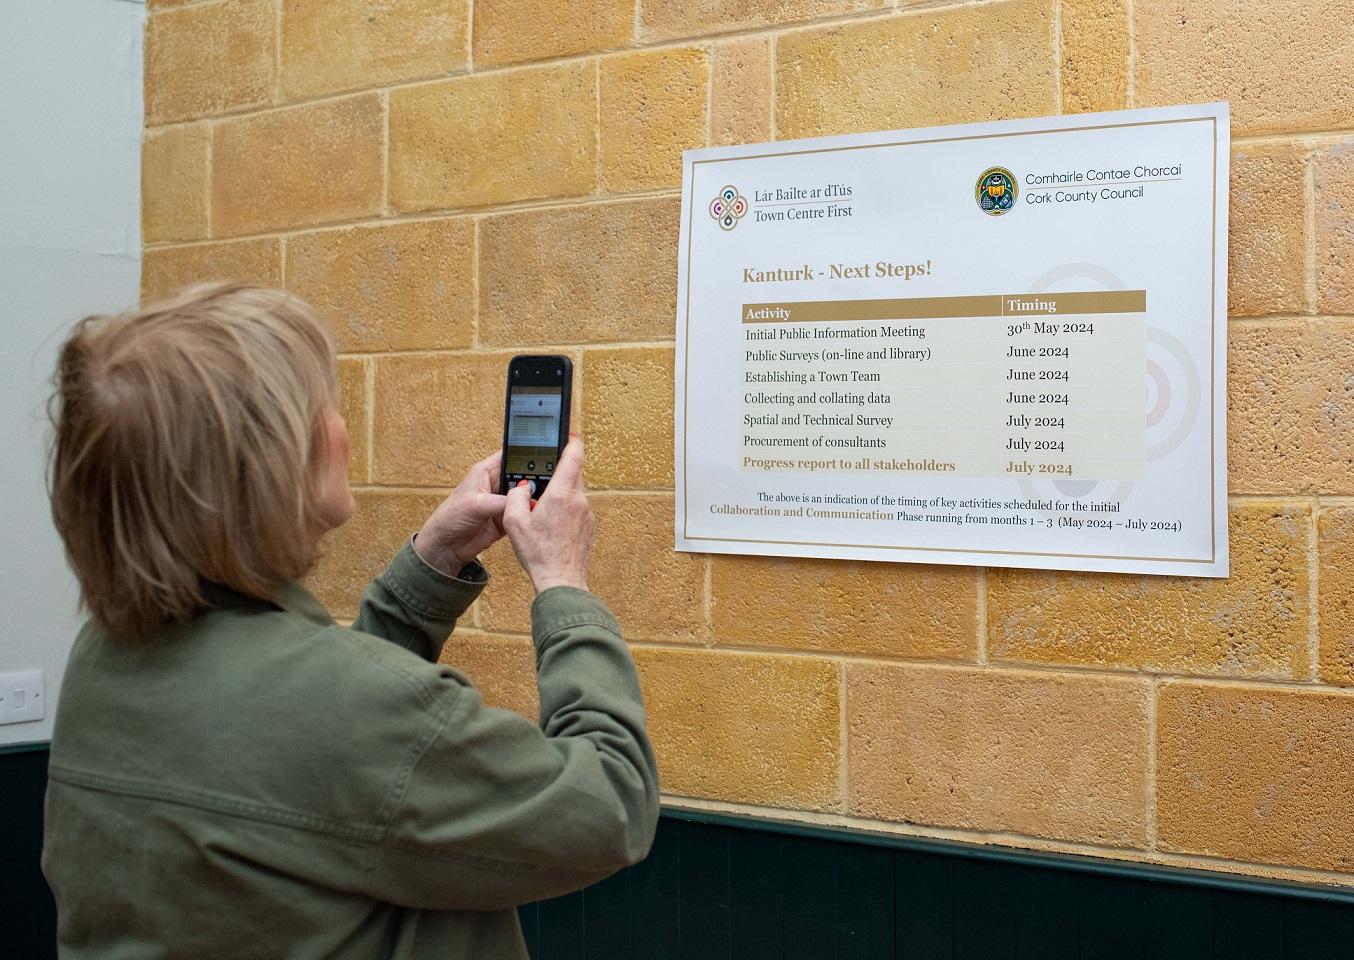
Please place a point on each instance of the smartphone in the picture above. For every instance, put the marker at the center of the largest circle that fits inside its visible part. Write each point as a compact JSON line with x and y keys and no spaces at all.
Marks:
{"x":535,"y":420}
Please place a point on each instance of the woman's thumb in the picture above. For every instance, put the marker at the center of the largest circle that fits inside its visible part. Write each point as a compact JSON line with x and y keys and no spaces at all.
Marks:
{"x":518,"y":507}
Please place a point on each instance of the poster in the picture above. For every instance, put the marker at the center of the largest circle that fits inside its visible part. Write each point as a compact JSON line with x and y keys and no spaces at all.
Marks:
{"x":997,"y":344}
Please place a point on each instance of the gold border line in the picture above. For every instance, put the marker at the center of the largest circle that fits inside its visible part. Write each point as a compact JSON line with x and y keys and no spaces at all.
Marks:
{"x":1008,"y":553}
{"x":1212,"y":321}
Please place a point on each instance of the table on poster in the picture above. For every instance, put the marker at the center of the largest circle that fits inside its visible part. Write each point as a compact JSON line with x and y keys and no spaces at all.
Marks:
{"x":998,"y":344}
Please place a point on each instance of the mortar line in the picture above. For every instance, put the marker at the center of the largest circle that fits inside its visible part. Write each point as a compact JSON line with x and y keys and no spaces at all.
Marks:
{"x":843,"y":741}
{"x":1011,"y":667}
{"x":1151,"y":798}
{"x":470,"y":36}
{"x":1313,"y":292}
{"x":370,"y":424}
{"x":580,"y":390}
{"x":491,"y":210}
{"x":509,"y":349}
{"x":1058,"y":58}
{"x":598,"y":187}
{"x":186,"y":4}
{"x":709,"y":599}
{"x":1011,"y":839}
{"x":209,"y":179}
{"x":1271,"y":320}
{"x":980,"y":618}
{"x":1312,"y":137}
{"x":1068,"y":671}
{"x":1241,"y":498}
{"x":772,"y":59}
{"x":1314,"y":592}
{"x":248,"y":110}
{"x":385,"y":154}
{"x":475,"y":284}
{"x":403,"y":489}
{"x":1130,"y":14}
{"x":710,"y":94}
{"x":277,"y":51}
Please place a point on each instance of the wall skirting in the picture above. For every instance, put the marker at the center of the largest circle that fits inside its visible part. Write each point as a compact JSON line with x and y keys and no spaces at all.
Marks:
{"x":722,"y":887}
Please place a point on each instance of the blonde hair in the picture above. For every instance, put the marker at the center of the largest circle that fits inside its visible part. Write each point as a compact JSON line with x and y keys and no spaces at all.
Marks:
{"x":185,"y":450}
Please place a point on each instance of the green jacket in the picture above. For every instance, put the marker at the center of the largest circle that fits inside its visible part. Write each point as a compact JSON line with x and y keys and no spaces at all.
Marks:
{"x":262,"y":782}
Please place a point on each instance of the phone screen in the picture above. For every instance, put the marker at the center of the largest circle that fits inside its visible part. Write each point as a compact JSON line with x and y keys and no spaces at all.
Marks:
{"x":533,"y":432}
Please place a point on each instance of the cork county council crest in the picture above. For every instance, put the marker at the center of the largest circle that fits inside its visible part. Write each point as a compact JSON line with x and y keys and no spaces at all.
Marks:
{"x":728,"y":208}
{"x":996,"y":191}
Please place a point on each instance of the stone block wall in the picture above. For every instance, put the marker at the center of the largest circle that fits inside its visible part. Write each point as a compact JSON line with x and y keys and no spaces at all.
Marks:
{"x":455,"y":181}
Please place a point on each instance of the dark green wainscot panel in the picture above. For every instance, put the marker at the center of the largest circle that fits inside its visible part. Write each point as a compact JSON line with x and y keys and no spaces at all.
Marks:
{"x":725,"y":888}
{"x":728,"y":888}
{"x":27,"y":911}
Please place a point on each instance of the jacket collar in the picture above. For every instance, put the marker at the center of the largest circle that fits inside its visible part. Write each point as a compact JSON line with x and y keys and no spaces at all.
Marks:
{"x":291,"y":596}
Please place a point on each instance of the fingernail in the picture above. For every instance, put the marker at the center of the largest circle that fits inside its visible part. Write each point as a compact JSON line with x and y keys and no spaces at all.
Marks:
{"x":533,"y":505}
{"x":524,"y":483}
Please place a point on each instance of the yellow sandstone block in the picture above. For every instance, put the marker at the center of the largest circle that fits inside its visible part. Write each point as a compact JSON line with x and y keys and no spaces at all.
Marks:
{"x":166,"y":269}
{"x":1335,"y":579}
{"x":1094,"y":55}
{"x":1255,"y":773}
{"x":740,"y":93}
{"x":334,"y":45}
{"x":579,"y":274}
{"x":653,"y":107}
{"x":397,"y":286}
{"x":655,"y":592}
{"x":1280,"y":64}
{"x":884,"y":609}
{"x":1267,"y":249}
{"x":355,"y":553}
{"x":174,"y":184}
{"x":436,"y":415}
{"x":1047,"y":755}
{"x":917,"y":70}
{"x":503,"y":670}
{"x":511,"y":31}
{"x":1334,"y":179}
{"x":744,"y":728}
{"x":353,"y":406}
{"x":665,"y":19}
{"x":1289,"y":408}
{"x":627,"y":404}
{"x":1253,"y":623}
{"x":209,"y":59}
{"x":297,"y":167}
{"x":494,"y":138}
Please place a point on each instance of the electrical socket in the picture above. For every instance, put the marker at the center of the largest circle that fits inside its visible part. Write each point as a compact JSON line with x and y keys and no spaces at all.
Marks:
{"x":22,"y":698}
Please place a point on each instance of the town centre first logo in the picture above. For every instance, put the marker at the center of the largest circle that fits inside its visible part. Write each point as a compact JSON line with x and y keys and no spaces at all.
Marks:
{"x":728,"y":208}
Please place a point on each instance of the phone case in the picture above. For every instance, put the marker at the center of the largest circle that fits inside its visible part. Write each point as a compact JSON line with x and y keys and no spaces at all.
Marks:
{"x":566,"y":402}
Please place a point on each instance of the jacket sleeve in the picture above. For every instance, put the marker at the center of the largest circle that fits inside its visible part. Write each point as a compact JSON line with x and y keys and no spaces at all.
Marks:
{"x":496,"y":811}
{"x":415,"y":606}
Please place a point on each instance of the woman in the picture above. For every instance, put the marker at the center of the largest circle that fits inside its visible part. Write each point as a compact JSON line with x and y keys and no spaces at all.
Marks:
{"x":234,"y":775}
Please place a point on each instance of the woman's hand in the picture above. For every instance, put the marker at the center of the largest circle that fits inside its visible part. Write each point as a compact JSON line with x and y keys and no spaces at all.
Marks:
{"x":465,"y":523}
{"x":553,"y":540}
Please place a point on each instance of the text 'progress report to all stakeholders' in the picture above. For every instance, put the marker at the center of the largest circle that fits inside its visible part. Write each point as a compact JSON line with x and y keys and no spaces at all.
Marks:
{"x":999,"y":344}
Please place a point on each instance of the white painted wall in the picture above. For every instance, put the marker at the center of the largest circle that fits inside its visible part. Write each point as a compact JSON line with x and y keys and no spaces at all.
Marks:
{"x":70,"y":245}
